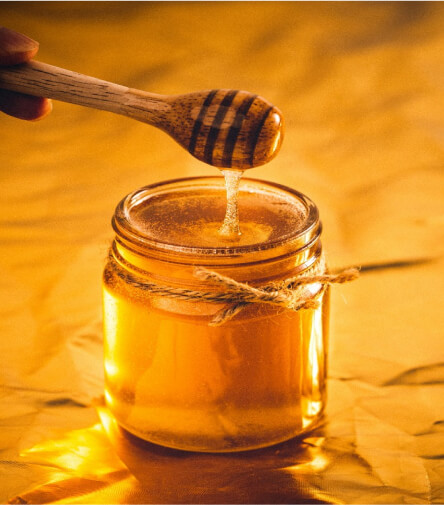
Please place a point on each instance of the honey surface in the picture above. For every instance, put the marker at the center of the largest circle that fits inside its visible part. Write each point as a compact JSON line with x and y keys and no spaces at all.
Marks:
{"x":193,"y":218}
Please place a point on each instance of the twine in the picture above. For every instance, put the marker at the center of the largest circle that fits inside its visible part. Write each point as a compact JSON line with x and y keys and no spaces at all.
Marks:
{"x":288,"y":293}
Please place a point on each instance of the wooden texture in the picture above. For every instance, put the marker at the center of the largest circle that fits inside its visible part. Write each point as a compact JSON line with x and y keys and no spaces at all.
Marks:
{"x":224,"y":128}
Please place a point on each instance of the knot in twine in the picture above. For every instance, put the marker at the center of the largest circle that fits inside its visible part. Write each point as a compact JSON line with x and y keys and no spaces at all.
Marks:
{"x":288,"y":293}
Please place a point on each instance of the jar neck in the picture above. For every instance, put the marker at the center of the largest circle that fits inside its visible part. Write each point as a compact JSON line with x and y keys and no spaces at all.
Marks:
{"x":176,"y":270}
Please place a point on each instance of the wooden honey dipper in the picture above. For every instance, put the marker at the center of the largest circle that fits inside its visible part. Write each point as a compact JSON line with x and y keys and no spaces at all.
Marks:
{"x":224,"y":128}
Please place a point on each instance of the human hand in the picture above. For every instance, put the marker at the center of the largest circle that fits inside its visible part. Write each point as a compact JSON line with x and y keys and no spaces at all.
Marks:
{"x":16,"y":48}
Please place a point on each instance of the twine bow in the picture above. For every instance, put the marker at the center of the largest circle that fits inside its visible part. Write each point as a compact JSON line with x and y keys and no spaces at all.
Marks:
{"x":284,"y":294}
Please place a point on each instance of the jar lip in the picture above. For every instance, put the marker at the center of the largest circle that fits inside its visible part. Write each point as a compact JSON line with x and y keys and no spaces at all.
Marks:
{"x":121,"y":222}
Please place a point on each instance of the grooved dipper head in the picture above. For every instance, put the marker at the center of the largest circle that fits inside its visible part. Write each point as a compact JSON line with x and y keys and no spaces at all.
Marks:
{"x":227,"y":128}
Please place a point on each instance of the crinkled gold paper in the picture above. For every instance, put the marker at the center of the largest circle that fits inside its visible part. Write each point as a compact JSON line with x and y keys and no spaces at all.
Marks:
{"x":361,"y":88}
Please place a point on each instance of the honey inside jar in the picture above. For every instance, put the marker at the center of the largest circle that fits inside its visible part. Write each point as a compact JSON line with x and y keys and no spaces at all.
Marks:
{"x":171,"y":377}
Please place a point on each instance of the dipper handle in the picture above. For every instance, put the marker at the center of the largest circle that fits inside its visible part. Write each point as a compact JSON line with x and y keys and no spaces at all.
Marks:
{"x":40,"y":79}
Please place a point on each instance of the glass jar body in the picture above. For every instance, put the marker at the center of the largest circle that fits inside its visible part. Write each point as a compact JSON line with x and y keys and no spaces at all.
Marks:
{"x":175,"y":380}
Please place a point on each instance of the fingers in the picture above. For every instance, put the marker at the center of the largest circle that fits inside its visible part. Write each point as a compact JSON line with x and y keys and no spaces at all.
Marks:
{"x":16,"y":48}
{"x":22,"y":106}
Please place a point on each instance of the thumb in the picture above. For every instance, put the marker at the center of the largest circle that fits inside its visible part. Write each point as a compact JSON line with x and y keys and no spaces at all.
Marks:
{"x":16,"y":48}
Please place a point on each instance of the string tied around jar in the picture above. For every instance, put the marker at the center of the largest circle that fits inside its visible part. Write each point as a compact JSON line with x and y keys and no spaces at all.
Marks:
{"x":288,"y":293}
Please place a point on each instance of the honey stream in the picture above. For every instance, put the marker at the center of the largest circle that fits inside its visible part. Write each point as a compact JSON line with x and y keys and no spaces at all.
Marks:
{"x":230,"y":228}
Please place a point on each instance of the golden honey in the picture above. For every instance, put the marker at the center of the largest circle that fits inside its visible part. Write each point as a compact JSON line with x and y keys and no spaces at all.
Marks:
{"x":171,"y":377}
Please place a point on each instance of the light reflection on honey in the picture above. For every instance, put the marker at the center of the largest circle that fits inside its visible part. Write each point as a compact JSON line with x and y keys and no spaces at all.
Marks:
{"x":314,"y":386}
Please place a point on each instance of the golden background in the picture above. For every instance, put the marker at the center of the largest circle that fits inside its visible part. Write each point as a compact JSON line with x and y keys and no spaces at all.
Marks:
{"x":361,"y":89}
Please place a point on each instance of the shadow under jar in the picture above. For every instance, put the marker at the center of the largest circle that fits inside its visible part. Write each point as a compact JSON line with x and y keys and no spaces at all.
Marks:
{"x":172,"y":378}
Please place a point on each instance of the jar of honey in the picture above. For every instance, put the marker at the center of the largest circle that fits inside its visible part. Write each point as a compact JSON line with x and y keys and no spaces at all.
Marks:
{"x":172,"y":376}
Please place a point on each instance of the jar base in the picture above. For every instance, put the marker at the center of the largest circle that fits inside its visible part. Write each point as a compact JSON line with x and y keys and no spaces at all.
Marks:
{"x":226,"y":442}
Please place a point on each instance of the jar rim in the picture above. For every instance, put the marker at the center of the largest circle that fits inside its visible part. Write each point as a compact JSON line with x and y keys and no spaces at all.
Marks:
{"x":308,"y":231}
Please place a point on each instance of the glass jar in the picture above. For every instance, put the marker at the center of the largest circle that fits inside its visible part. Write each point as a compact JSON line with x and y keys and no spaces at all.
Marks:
{"x":172,"y":377}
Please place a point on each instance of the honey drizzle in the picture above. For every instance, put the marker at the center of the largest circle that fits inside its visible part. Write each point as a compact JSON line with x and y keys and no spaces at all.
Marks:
{"x":230,"y":227}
